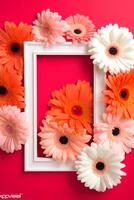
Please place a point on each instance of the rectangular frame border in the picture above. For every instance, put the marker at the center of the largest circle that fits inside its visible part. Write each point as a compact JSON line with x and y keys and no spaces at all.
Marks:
{"x":31,"y":50}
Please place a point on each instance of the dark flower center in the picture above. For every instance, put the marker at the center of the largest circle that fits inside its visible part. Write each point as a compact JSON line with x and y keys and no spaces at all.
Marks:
{"x":77,"y":31}
{"x":3,"y":90}
{"x":15,"y":48}
{"x":100,"y":166}
{"x":63,"y":140}
{"x":115,"y":131}
{"x":124,"y":94}
{"x":77,"y":110}
{"x":9,"y":129}
{"x":113,"y":51}
{"x":47,"y":29}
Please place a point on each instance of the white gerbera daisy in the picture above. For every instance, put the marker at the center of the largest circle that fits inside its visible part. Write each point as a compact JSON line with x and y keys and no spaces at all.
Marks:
{"x":99,"y":168}
{"x":112,"y":49}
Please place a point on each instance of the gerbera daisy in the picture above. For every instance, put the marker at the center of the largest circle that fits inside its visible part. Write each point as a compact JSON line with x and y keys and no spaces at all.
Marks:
{"x":81,"y":28}
{"x":112,"y":49}
{"x":13,"y":128}
{"x":99,"y":168}
{"x":11,"y":90}
{"x":60,"y":142}
{"x":117,"y":132}
{"x":11,"y":44}
{"x":73,"y":105}
{"x":48,"y":28}
{"x":119,"y":96}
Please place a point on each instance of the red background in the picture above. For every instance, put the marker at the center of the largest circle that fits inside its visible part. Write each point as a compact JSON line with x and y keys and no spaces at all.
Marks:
{"x":38,"y":186}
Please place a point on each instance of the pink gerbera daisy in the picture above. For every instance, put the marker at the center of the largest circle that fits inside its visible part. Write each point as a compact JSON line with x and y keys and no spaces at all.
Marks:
{"x":13,"y":128}
{"x":48,"y":28}
{"x":60,"y":142}
{"x":81,"y":28}
{"x":117,"y":132}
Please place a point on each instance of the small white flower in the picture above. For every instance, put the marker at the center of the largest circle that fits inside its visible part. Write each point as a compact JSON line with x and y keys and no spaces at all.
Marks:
{"x":99,"y":167}
{"x":112,"y":49}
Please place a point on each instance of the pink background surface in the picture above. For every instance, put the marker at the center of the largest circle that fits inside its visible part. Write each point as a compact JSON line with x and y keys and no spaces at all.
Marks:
{"x":62,"y":185}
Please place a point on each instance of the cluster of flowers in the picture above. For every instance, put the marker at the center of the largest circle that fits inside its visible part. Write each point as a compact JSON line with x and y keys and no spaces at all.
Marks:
{"x":13,"y":124}
{"x":50,"y":29}
{"x":67,"y":129}
{"x":68,"y":124}
{"x":99,"y":166}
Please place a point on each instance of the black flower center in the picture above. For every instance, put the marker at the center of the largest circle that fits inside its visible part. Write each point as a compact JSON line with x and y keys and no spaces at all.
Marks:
{"x":63,"y":140}
{"x":100,"y":166}
{"x":116,"y":131}
{"x":3,"y":90}
{"x":124,"y":94}
{"x":15,"y":48}
{"x":113,"y":51}
{"x":77,"y":31}
{"x":77,"y":110}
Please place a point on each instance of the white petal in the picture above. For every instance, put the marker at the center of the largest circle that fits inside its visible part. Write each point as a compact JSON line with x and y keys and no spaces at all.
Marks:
{"x":118,"y":37}
{"x":86,"y":173}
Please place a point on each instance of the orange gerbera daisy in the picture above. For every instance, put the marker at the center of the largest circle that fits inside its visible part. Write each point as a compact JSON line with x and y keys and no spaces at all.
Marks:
{"x":119,"y":96}
{"x":11,"y":91}
{"x":73,"y":105}
{"x":11,"y":44}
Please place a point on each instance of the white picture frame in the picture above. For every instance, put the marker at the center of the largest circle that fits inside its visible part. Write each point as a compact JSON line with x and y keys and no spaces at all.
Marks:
{"x":31,"y":50}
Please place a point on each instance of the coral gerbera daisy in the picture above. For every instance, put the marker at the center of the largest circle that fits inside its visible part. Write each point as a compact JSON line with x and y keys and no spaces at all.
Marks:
{"x":99,"y":167}
{"x":13,"y":128}
{"x":11,"y":44}
{"x":119,"y":96}
{"x":81,"y":28}
{"x":112,"y":49}
{"x":73,"y":105}
{"x":60,"y":142}
{"x":48,"y":28}
{"x":11,"y":90}
{"x":117,"y":132}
